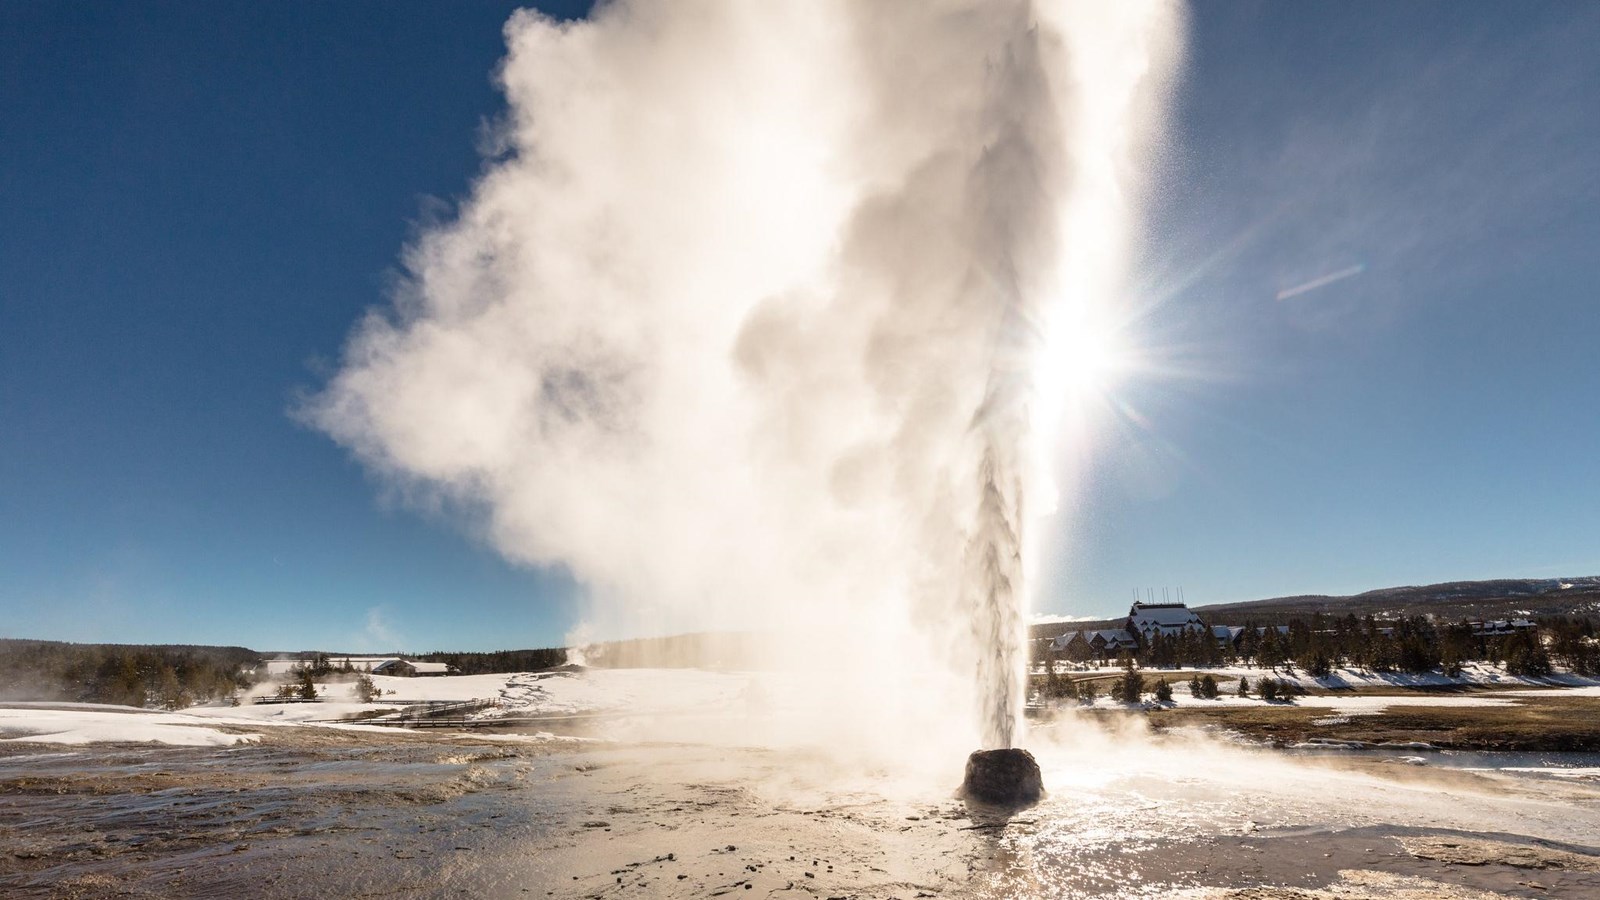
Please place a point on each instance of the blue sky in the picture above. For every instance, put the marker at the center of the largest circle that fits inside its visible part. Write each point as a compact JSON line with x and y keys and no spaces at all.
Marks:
{"x":198,"y":200}
{"x":1430,"y":418}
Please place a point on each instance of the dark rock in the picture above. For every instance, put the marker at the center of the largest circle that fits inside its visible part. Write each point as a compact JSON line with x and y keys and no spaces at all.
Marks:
{"x":1003,"y":777}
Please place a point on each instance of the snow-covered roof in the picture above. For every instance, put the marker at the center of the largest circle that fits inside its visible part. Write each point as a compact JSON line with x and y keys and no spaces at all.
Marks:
{"x":1112,"y":637}
{"x":1263,"y":629}
{"x":1501,"y":626}
{"x":421,"y":668}
{"x":1165,"y":617}
{"x":285,"y":664}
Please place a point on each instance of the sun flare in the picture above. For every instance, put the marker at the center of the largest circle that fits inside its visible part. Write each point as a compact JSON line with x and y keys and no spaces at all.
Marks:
{"x":1085,"y":357}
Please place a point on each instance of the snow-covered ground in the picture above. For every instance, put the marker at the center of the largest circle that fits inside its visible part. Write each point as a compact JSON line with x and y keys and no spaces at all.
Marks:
{"x":339,"y":698}
{"x":1346,"y":704}
{"x":1354,"y":705}
{"x":649,"y":691}
{"x":87,"y":723}
{"x":654,"y":692}
{"x":522,"y":694}
{"x":1354,"y":680}
{"x":1472,"y":675}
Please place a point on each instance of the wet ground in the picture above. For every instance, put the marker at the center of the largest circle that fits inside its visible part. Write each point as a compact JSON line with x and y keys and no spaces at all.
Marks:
{"x":312,"y":812}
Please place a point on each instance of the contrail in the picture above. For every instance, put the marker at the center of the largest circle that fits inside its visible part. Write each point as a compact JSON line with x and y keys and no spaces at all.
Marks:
{"x":1324,"y":281}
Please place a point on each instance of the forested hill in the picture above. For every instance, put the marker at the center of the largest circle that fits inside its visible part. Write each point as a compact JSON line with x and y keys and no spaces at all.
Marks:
{"x":1452,"y":601}
{"x":169,"y":675}
{"x":1501,"y":598}
{"x":174,"y":676}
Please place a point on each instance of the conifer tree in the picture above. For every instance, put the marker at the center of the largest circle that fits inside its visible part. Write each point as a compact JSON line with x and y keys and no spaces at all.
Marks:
{"x":308,"y":686}
{"x":1066,"y":688}
{"x":1129,"y":688}
{"x":1270,"y":653}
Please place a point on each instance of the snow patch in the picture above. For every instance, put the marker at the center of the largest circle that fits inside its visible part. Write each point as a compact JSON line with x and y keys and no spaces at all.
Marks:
{"x":36,"y":725}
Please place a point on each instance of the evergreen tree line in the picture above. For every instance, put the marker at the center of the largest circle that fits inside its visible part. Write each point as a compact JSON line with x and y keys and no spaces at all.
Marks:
{"x":322,"y":665}
{"x":1412,"y":645}
{"x":166,"y":676}
{"x":1132,"y":686}
{"x":500,"y":661}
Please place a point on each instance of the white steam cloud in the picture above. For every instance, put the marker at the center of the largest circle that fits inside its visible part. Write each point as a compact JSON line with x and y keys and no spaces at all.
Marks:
{"x":755,"y":322}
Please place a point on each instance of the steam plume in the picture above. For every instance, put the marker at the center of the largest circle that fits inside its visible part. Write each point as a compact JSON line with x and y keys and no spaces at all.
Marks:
{"x":745,"y":328}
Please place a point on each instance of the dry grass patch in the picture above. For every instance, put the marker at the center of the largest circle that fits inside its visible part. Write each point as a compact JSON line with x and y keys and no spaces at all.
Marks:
{"x":1536,"y":723}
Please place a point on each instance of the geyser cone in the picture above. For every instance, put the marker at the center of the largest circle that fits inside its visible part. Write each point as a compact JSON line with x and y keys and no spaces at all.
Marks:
{"x":1008,"y":777}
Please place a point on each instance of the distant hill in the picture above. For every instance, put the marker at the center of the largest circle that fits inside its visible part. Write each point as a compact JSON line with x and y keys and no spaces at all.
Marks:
{"x":1497,"y":599}
{"x":1452,"y":601}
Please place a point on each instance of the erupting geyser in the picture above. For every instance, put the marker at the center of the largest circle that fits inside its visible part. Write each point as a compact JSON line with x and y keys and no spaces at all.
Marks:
{"x":764,"y":317}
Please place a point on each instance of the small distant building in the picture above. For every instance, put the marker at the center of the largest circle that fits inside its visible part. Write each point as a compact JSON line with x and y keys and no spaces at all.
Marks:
{"x":1103,"y":644}
{"x":1495,"y":627}
{"x":1233,"y":634}
{"x":1227,"y":635}
{"x":405,"y":668}
{"x":398,"y":667}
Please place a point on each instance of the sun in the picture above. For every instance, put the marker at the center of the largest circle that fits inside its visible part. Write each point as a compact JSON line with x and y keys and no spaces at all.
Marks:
{"x":1083,"y":357}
